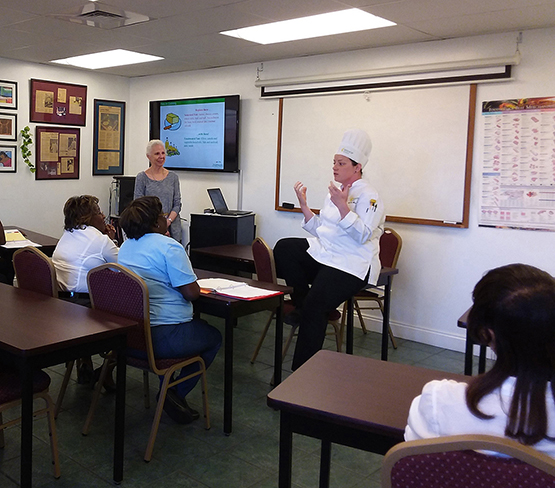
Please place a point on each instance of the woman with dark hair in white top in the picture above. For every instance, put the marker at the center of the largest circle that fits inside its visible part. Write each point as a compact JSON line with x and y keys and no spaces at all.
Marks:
{"x":514,"y":314}
{"x":87,"y":242}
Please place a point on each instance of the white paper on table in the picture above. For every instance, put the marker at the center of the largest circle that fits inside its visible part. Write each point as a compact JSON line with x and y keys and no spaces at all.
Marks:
{"x":236,"y":289}
{"x":19,"y":244}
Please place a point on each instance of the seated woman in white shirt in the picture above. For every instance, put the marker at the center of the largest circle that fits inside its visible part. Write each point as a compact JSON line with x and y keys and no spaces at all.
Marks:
{"x":514,"y":314}
{"x":87,"y":242}
{"x":342,"y":256}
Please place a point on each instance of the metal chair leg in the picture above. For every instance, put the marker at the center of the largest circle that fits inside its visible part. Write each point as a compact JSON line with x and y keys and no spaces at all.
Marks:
{"x":262,"y":337}
{"x":96,"y":395}
{"x":63,"y":388}
{"x":392,"y":337}
{"x":146,"y":389}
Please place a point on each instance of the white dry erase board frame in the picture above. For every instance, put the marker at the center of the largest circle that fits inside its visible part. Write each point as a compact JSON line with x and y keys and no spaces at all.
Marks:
{"x":421,"y":161}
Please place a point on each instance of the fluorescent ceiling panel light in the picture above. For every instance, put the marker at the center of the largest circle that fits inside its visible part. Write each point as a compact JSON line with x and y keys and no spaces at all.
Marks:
{"x":351,"y":20}
{"x":107,"y":59}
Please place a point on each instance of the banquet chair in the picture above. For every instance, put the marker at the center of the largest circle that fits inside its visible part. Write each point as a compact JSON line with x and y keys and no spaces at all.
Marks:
{"x":34,"y":271}
{"x":6,"y":268}
{"x":265,"y":267}
{"x":10,"y":397}
{"x":117,"y":290}
{"x":459,"y":461}
{"x":390,"y":248}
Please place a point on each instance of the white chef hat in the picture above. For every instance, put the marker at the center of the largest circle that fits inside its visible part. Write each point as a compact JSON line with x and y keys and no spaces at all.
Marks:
{"x":356,"y":145}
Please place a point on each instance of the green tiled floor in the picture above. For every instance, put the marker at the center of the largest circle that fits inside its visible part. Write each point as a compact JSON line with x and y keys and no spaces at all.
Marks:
{"x":188,"y":456}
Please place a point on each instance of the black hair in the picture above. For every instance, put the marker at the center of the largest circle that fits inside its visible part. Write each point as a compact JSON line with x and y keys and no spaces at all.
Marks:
{"x":355,"y":163}
{"x":514,"y":312}
{"x":140,"y":216}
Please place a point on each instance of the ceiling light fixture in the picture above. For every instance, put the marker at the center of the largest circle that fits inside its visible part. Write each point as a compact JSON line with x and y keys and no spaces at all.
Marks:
{"x":351,"y":20}
{"x":107,"y":59}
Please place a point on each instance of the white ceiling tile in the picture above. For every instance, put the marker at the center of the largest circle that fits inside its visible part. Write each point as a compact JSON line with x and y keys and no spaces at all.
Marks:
{"x":186,"y":32}
{"x":489,"y":22}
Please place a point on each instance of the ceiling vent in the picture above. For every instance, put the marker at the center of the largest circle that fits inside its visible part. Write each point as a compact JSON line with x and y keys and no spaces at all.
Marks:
{"x":103,"y":16}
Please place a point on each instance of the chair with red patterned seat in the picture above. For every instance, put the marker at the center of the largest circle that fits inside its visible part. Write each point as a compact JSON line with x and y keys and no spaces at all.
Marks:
{"x":266,"y":271}
{"x":2,"y":235}
{"x":117,"y":290}
{"x":459,"y":462}
{"x":34,"y":271}
{"x":10,"y":397}
{"x":390,"y":248}
{"x":6,"y":271}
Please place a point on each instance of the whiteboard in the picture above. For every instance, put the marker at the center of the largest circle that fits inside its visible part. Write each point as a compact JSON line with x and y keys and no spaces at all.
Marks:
{"x":419,"y":147}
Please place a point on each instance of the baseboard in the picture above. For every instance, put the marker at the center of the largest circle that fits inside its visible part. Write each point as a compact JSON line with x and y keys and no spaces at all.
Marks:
{"x":453,"y":342}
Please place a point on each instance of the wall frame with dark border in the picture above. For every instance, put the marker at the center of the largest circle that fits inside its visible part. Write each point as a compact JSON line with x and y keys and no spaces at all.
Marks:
{"x":58,"y":103}
{"x":8,"y":95}
{"x":57,"y":153}
{"x":8,"y":158}
{"x":109,"y":137}
{"x":8,"y":127}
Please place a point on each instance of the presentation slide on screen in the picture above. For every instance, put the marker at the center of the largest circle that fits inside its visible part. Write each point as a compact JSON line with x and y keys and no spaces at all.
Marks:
{"x":193,"y":132}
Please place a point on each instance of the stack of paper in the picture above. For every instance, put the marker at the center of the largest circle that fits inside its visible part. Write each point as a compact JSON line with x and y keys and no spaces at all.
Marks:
{"x":14,"y":235}
{"x":235,"y":289}
{"x":15,"y":239}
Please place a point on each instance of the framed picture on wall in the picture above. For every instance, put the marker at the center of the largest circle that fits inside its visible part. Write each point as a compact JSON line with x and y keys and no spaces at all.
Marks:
{"x":109,"y":136}
{"x":8,"y":127}
{"x":8,"y":94}
{"x":8,"y":159}
{"x":58,"y":103}
{"x":57,"y":153}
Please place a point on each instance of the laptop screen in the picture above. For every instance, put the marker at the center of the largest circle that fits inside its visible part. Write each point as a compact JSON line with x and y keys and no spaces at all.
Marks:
{"x":218,"y":201}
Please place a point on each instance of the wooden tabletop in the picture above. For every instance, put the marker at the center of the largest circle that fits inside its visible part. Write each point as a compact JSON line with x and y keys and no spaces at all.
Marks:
{"x":354,"y":391}
{"x":47,"y":243}
{"x":202,"y":273}
{"x":240,"y":252}
{"x":41,"y":239}
{"x":463,"y":319}
{"x":385,"y":275}
{"x":33,"y":323}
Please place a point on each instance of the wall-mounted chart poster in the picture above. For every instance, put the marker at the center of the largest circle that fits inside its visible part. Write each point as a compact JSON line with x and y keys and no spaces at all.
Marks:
{"x":518,"y":169}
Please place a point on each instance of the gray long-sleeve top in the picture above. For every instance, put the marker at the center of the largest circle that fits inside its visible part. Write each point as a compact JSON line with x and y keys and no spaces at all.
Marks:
{"x":167,"y":190}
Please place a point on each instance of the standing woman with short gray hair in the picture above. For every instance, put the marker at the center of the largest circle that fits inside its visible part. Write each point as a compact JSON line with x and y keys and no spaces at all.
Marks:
{"x":159,"y":182}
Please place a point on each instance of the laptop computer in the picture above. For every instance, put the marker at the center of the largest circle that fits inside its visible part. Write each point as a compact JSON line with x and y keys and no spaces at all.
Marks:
{"x":219,"y":204}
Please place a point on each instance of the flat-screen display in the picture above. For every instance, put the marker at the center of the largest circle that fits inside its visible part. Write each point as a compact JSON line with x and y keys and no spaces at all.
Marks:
{"x":200,"y":134}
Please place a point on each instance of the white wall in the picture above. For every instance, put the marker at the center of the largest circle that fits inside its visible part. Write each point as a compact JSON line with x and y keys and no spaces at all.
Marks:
{"x":438,"y":266}
{"x":38,"y":205}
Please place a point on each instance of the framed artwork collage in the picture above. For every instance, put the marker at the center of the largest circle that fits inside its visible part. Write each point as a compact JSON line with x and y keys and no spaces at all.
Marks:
{"x":56,"y":145}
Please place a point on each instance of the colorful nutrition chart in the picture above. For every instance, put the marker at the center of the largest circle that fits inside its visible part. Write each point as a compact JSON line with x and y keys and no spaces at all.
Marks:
{"x":518,"y":171}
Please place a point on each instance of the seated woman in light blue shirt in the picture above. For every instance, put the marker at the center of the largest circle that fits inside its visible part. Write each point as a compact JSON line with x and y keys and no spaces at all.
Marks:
{"x":172,"y":284}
